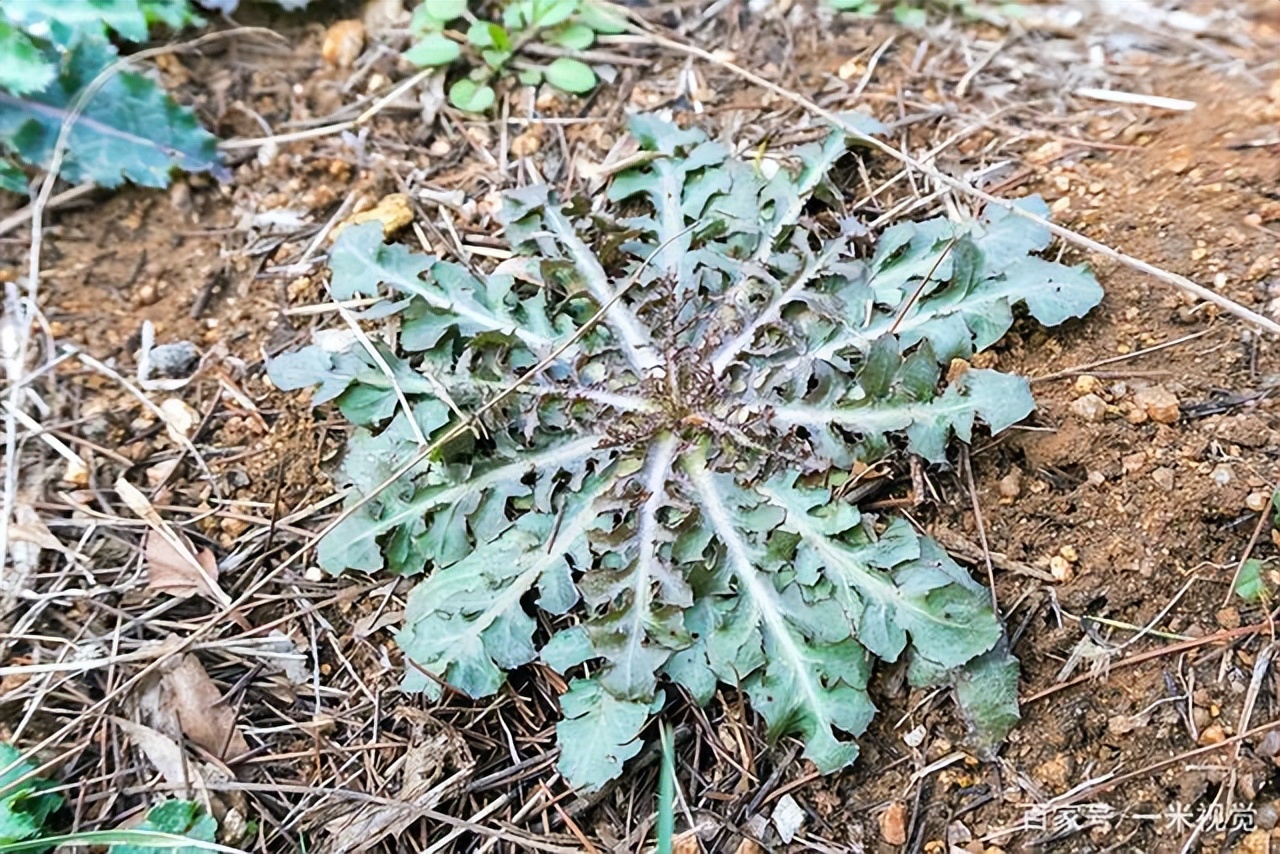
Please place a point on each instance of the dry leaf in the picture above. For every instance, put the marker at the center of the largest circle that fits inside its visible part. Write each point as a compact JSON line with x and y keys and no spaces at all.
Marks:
{"x":749,"y":846}
{"x":170,"y":571}
{"x":138,"y":503}
{"x":166,"y":755}
{"x":189,"y":692}
{"x":180,"y":418}
{"x":686,"y":843}
{"x":787,"y":818}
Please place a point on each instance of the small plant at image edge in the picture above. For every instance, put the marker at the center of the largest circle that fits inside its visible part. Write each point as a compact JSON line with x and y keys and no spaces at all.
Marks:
{"x":494,"y":48}
{"x":914,"y":13}
{"x":27,"y":802}
{"x":662,"y":504}
{"x":1256,"y":581}
{"x":130,"y":129}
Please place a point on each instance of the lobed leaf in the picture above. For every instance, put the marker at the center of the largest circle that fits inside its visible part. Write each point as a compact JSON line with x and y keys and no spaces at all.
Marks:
{"x":173,"y":818}
{"x":25,"y":804}
{"x":130,"y":130}
{"x":598,"y":733}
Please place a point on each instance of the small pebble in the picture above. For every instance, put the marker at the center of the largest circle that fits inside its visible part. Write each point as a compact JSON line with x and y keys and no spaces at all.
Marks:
{"x":1089,"y":408}
{"x":1163,"y":478}
{"x":1265,"y":815}
{"x":178,"y":360}
{"x":1228,"y":618}
{"x":1159,"y":403}
{"x":1269,"y":747}
{"x":1011,"y":484}
{"x":342,"y":43}
{"x":526,"y":144}
{"x":1257,"y":501}
{"x":393,"y":211}
{"x":1060,"y":568}
{"x":1212,"y":734}
{"x":1086,"y":384}
{"x":1134,"y":463}
{"x":893,"y":824}
{"x":1257,"y":841}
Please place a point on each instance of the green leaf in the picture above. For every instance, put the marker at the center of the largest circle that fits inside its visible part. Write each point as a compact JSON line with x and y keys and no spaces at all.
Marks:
{"x":25,"y":804}
{"x":998,"y":399}
{"x":130,"y":130}
{"x":573,"y":37}
{"x":603,"y":731}
{"x":443,"y":11}
{"x":889,"y":588}
{"x":88,"y":17}
{"x":485,"y":34}
{"x":1251,"y":585}
{"x":601,"y":17}
{"x":434,"y":49}
{"x":814,"y":678}
{"x":452,"y":508}
{"x":909,"y":16}
{"x":466,"y":625}
{"x":570,"y":75}
{"x":362,"y":261}
{"x":548,"y":13}
{"x":470,"y":96}
{"x":423,"y":21}
{"x":638,"y":628}
{"x":12,"y":178}
{"x":986,"y":690}
{"x":176,"y":818}
{"x":174,"y":14}
{"x":24,"y":68}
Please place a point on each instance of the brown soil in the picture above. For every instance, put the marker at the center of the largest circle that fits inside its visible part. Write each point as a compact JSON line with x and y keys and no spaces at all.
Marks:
{"x":1147,"y":521}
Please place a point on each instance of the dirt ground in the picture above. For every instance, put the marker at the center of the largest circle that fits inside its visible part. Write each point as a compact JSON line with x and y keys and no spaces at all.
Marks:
{"x":1139,"y":670}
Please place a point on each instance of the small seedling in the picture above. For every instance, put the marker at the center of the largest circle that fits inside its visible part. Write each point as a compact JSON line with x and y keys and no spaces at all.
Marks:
{"x":491,"y":48}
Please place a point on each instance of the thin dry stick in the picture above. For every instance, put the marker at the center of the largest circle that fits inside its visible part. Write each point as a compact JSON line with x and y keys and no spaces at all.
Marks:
{"x":17,"y":218}
{"x":1199,"y":291}
{"x":1081,"y":369}
{"x":1224,"y":636}
{"x":329,"y":130}
{"x":915,"y":295}
{"x":982,"y":527}
{"x":1165,"y":763}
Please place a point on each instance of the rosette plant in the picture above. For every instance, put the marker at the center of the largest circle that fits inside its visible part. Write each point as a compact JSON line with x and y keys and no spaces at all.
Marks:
{"x":686,"y":373}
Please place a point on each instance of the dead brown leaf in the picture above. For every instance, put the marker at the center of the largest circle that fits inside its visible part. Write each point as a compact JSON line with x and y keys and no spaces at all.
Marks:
{"x":140,"y":505}
{"x":166,"y":755}
{"x":187,"y":690}
{"x":686,"y":843}
{"x":177,"y":574}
